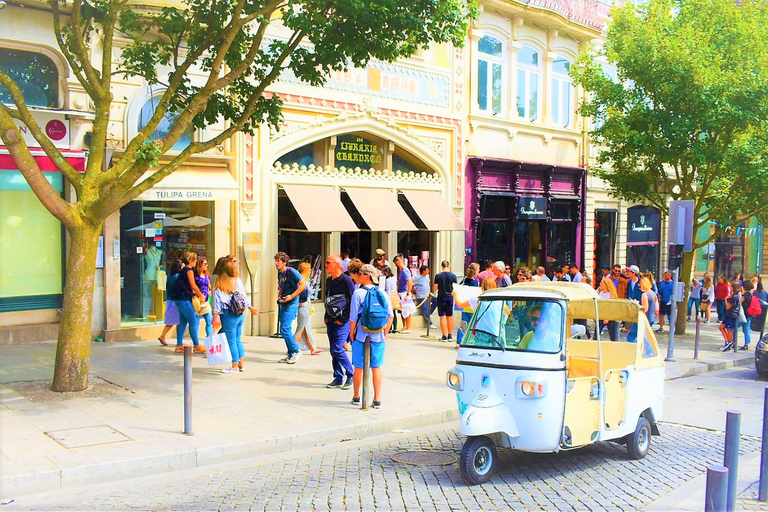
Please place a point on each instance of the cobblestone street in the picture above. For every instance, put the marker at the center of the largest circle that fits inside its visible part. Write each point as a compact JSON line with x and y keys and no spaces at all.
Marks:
{"x":364,"y":477}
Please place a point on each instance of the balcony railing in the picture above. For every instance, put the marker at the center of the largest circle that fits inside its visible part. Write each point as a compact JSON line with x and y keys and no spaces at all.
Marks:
{"x":590,"y":13}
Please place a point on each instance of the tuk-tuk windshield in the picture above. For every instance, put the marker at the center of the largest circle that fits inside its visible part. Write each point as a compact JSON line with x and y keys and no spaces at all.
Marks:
{"x":525,"y":325}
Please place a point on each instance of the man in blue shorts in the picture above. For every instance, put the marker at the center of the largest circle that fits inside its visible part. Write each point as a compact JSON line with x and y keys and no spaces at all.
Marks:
{"x":368,"y":279}
{"x":444,"y":282}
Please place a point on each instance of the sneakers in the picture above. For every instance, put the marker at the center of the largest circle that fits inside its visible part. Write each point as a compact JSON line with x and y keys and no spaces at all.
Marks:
{"x":376,"y":404}
{"x":744,"y":347}
{"x":660,"y":330}
{"x":347,"y":383}
{"x":688,"y":319}
{"x":432,"y":326}
{"x":355,"y":400}
{"x":294,"y":357}
{"x":199,"y":349}
{"x":229,"y":369}
{"x":284,"y":360}
{"x":335,"y":383}
{"x":450,"y":337}
{"x":728,"y":346}
{"x":444,"y":339}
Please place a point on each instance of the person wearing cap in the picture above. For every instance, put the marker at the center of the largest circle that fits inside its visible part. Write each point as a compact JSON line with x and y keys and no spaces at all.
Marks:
{"x":338,"y":285}
{"x":380,"y":260}
{"x":666,"y":290}
{"x":606,"y":273}
{"x":368,"y":279}
{"x":634,"y":293}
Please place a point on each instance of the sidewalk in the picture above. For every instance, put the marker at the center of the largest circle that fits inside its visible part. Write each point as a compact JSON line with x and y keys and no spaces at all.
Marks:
{"x":270,"y":408}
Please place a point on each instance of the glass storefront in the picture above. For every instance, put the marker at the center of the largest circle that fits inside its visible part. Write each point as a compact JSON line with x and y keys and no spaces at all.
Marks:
{"x":28,"y":228}
{"x":298,"y":244}
{"x":416,"y":248}
{"x":605,"y":239}
{"x":152,"y":235}
{"x":644,"y":238}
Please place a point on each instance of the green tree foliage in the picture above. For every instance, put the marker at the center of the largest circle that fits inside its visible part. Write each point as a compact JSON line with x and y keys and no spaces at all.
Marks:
{"x":687,"y":117}
{"x":227,"y":41}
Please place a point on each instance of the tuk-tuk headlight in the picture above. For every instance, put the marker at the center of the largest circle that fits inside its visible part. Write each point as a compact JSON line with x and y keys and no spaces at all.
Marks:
{"x":455,"y":379}
{"x":530,"y":389}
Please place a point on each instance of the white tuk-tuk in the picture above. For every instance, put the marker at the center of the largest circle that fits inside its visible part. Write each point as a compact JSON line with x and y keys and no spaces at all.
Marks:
{"x":526,"y":379}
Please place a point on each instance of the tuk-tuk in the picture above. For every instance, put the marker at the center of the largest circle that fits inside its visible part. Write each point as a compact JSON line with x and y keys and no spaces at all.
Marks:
{"x":526,"y":378}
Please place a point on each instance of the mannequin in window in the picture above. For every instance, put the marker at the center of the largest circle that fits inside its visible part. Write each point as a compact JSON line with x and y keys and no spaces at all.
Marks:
{"x":152,"y":258}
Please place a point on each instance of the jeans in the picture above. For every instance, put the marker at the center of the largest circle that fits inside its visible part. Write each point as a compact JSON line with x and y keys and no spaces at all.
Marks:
{"x":187,"y":316}
{"x":286,"y":314}
{"x":337,"y":337}
{"x":612,"y":327}
{"x":427,"y":308}
{"x":720,"y":305}
{"x":632,"y":335}
{"x":208,"y":324}
{"x":233,"y":328}
{"x":746,"y":329}
{"x":465,"y":317}
{"x":695,"y":304}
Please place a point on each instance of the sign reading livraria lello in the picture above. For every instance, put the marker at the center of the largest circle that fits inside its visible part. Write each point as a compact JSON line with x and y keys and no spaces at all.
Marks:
{"x":354,"y":151}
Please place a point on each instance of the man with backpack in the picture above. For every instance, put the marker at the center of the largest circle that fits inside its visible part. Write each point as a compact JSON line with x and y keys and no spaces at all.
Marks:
{"x":370,"y":318}
{"x":752,"y":308}
{"x":338,"y":291}
{"x":290,"y":285}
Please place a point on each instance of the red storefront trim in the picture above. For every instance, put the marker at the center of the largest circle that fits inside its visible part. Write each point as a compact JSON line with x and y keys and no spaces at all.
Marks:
{"x":75,"y":157}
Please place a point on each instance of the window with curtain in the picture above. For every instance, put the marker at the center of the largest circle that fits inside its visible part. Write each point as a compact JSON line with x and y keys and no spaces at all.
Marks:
{"x":34,"y":73}
{"x":146,"y":113}
{"x":562,"y":92}
{"x":528,"y":87}
{"x":490,"y":74}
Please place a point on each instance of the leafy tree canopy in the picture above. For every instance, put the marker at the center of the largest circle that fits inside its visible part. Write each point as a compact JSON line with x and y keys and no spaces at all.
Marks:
{"x":687,"y":116}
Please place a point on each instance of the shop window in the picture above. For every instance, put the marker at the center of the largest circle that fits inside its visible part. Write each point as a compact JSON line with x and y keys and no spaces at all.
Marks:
{"x":153,"y":235}
{"x":497,"y":207}
{"x":165,"y":125}
{"x":28,"y":228}
{"x":562,"y":92}
{"x":35,"y":74}
{"x":415,"y":246}
{"x":490,"y":74}
{"x":564,"y":210}
{"x":528,"y":73}
{"x":304,"y":155}
{"x":561,"y":244}
{"x":298,"y":244}
{"x":605,"y":239}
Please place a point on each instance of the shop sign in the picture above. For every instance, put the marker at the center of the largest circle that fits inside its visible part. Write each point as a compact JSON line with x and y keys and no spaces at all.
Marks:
{"x":353,"y":151}
{"x":252,"y":248}
{"x":55,"y":126}
{"x":532,"y":208}
{"x":643,"y":225}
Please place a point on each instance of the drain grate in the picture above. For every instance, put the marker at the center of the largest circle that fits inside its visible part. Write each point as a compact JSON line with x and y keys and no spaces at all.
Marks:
{"x":88,"y":436}
{"x":425,"y":458}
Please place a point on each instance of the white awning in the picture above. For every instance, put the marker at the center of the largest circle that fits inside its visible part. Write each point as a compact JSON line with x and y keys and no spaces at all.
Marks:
{"x":320,"y":208}
{"x":433,"y":211}
{"x":192,"y":184}
{"x":380,"y":209}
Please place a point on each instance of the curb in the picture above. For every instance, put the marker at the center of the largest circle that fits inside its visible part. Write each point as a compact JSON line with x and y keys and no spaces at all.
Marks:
{"x":159,"y":459}
{"x":713,"y":367}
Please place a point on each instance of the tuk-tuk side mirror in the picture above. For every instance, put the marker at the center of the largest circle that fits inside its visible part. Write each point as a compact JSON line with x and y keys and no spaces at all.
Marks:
{"x":577,"y":331}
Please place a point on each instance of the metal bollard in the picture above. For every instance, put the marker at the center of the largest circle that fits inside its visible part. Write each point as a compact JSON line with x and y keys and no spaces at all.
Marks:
{"x":366,"y":371}
{"x":736,"y":337}
{"x":696,"y":339}
{"x":731,"y":457}
{"x":188,"y":390}
{"x":763,"y":489}
{"x":717,"y":483}
{"x":672,"y":321}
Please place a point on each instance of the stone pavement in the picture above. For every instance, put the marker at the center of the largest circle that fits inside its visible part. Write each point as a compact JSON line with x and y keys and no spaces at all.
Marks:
{"x":361,"y":475}
{"x":270,"y":408}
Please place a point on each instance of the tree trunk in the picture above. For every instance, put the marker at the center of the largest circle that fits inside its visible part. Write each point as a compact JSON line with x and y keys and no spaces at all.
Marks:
{"x":73,"y":351}
{"x":685,"y":276}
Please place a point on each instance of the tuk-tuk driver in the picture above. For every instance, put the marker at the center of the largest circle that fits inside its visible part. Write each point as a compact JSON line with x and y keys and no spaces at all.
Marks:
{"x":543,"y":337}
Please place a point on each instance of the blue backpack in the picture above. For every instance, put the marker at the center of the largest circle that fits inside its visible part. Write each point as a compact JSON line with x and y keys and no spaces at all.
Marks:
{"x":374,"y":314}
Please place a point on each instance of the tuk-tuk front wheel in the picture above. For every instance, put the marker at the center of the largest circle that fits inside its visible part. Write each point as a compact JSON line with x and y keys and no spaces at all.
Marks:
{"x":639,"y":442}
{"x":478,"y":458}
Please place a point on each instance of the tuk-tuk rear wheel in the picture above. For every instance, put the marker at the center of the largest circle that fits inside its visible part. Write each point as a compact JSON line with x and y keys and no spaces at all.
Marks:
{"x":478,"y":460}
{"x":639,"y":442}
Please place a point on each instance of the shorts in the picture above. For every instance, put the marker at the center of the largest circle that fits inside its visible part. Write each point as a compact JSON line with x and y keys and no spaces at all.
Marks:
{"x":445,"y":305}
{"x":665,"y":309}
{"x":729,"y":323}
{"x":358,"y":354}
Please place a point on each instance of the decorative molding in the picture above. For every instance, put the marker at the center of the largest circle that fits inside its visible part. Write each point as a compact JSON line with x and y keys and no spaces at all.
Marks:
{"x":385,"y":177}
{"x":249,"y":210}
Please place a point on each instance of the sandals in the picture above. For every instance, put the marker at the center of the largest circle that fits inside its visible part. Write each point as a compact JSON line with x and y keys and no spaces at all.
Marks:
{"x":162,"y":341}
{"x":315,"y":352}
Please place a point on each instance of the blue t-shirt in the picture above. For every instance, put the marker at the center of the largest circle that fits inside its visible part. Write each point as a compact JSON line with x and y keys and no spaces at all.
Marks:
{"x":402,"y":280}
{"x":666,"y":288}
{"x":633,"y":291}
{"x":288,"y":282}
{"x":354,"y":314}
{"x":421,"y":286}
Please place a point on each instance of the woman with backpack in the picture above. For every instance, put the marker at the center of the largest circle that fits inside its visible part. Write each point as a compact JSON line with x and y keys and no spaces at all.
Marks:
{"x":203,"y":281}
{"x":171,"y":313}
{"x":752,"y":308}
{"x":732,"y":306}
{"x":185,"y":290}
{"x":229,"y":303}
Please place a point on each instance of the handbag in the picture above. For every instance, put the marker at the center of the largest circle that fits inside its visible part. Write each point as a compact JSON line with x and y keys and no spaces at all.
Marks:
{"x":196,"y":304}
{"x":742,"y":318}
{"x":205,"y":308}
{"x":394,"y":298}
{"x":218,"y":349}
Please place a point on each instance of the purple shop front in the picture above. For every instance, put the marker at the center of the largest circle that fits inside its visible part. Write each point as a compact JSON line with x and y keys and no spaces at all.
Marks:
{"x":525,"y":213}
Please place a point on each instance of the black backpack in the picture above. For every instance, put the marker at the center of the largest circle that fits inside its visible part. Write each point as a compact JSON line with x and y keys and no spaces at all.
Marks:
{"x":236,"y":304}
